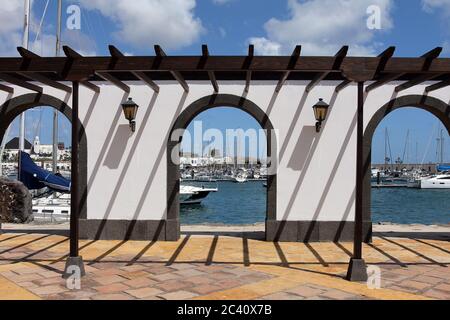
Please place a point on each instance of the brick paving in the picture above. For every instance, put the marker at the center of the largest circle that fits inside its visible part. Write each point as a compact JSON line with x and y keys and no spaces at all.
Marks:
{"x":162,"y":271}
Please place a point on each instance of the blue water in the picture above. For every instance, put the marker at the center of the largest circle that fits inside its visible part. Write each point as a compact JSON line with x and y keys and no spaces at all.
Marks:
{"x":406,"y":205}
{"x":241,"y":204}
{"x":235,"y":203}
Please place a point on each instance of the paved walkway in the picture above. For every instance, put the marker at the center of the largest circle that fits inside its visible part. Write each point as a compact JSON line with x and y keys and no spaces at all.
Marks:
{"x":220,"y":267}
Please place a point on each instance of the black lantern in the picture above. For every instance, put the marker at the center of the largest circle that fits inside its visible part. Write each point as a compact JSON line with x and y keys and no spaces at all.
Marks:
{"x":320,"y":112}
{"x":130,"y":109}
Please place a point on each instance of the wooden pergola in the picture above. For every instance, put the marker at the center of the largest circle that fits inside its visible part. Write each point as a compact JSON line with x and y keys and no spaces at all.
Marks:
{"x":117,"y":69}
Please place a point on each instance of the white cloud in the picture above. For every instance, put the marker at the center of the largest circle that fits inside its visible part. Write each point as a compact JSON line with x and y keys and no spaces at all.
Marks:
{"x":266,"y":47}
{"x":171,"y":23}
{"x":323,"y":26}
{"x":11,"y":17}
{"x":221,"y":2}
{"x":11,"y":33}
{"x":432,"y":5}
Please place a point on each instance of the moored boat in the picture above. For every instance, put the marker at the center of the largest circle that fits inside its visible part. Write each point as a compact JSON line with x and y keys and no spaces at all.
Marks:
{"x":190,"y":195}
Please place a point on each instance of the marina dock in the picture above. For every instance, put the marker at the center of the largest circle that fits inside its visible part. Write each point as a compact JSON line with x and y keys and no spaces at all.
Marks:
{"x":393,"y":185}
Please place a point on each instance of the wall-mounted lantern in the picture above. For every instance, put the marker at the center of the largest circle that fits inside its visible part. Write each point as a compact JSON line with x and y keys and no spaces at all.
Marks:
{"x":130,"y":109}
{"x":320,"y":112}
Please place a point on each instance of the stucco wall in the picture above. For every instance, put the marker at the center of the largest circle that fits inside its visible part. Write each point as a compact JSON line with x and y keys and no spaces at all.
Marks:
{"x":316,"y":173}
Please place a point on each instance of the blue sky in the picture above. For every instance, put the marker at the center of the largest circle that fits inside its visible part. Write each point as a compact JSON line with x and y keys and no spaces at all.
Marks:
{"x":228,"y":26}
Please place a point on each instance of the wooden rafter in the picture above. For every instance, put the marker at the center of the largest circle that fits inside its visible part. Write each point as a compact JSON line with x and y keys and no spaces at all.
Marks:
{"x":438,"y":86}
{"x":27,"y":55}
{"x":248,"y":62}
{"x":45,"y":80}
{"x":385,"y":56}
{"x":176,"y":74}
{"x":72,"y":54}
{"x":76,"y":68}
{"x":117,"y":54}
{"x":19,"y":82}
{"x":428,"y":59}
{"x":6,"y":88}
{"x":293,"y":61}
{"x":383,"y":59}
{"x":211,"y":74}
{"x":339,"y":58}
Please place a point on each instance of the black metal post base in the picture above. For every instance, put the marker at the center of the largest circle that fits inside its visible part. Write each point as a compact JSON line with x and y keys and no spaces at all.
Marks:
{"x":1,"y":231}
{"x":357,"y":270}
{"x":71,"y":264}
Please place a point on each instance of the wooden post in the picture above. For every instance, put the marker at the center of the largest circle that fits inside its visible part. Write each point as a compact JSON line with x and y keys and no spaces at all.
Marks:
{"x":357,"y":268}
{"x":74,"y":260}
{"x":74,"y":203}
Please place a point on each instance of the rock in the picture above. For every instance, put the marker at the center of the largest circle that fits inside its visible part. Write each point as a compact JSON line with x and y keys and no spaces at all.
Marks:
{"x":15,"y":202}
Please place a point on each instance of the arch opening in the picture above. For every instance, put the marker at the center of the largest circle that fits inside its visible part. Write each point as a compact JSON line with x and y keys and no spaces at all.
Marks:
{"x":392,"y":175}
{"x":13,"y":107}
{"x":175,"y":143}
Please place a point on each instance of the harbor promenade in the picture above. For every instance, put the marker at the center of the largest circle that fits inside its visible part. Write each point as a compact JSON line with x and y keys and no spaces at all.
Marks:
{"x":224,"y":265}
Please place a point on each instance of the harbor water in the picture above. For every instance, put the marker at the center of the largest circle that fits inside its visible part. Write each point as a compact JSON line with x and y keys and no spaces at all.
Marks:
{"x":245,"y":203}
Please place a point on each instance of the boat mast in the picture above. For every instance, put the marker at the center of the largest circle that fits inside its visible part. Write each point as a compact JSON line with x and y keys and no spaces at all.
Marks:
{"x":26,"y":34}
{"x":442,"y":146}
{"x":385,"y":146}
{"x":55,"y":112}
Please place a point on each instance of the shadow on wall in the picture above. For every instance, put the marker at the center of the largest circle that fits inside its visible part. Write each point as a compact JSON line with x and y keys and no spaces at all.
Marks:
{"x":302,"y":148}
{"x":118,"y":146}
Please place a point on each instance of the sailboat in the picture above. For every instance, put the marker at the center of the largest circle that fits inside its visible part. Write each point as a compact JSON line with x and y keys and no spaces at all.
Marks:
{"x":35,"y":178}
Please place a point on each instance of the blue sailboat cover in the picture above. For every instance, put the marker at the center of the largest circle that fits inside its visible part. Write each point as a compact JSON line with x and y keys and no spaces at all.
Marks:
{"x":443,"y":167}
{"x":34,"y":177}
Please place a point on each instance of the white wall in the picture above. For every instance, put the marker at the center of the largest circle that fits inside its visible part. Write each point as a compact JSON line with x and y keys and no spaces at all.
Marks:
{"x":316,"y":177}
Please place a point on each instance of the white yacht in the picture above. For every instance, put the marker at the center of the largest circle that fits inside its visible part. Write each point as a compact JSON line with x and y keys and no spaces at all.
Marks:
{"x":439,"y":181}
{"x":54,"y":207}
{"x":194,"y":195}
{"x":241,"y":178}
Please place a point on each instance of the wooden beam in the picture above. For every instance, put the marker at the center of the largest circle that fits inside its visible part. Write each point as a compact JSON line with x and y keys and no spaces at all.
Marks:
{"x":18,"y":82}
{"x":176,"y":74}
{"x":211,"y":74}
{"x":44,"y":80}
{"x":342,"y":85}
{"x":27,"y":54}
{"x":109,"y":77}
{"x":384,"y":58}
{"x":117,"y":54}
{"x":6,"y":88}
{"x":339,"y":57}
{"x":248,"y":77}
{"x":293,"y":61}
{"x":438,"y":86}
{"x":72,"y":54}
{"x":432,"y":54}
{"x":429,"y":57}
{"x":419,"y":79}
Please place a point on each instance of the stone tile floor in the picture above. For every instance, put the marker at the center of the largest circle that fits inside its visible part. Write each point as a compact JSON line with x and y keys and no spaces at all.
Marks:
{"x":213,"y":267}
